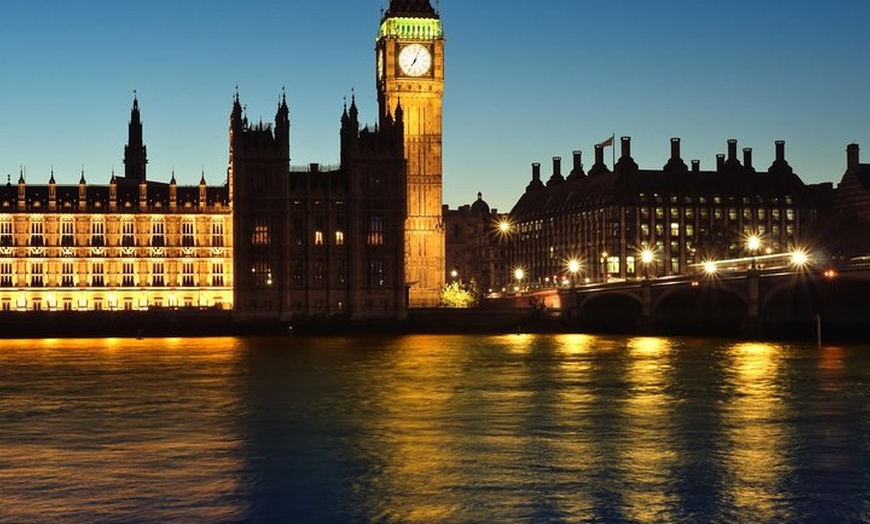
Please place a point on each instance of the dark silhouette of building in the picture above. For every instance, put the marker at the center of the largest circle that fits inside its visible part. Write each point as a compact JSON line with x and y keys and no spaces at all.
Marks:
{"x":318,"y":241}
{"x":681,"y":216}
{"x":476,"y":246}
{"x":850,"y":220}
{"x":134,"y":244}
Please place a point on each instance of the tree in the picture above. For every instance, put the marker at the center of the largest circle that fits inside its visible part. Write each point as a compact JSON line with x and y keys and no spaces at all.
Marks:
{"x":459,"y":294}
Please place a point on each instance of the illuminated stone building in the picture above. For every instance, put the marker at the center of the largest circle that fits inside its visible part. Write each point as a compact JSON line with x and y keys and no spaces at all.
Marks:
{"x":133,"y":244}
{"x":318,"y":242}
{"x":410,"y":71}
{"x":476,"y":247}
{"x":683,"y":216}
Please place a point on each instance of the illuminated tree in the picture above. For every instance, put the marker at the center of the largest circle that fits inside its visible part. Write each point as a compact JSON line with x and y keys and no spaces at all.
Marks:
{"x":459,"y":294}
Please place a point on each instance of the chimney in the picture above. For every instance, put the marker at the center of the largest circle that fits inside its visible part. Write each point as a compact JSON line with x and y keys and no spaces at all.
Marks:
{"x":557,"y":166}
{"x":853,"y":159}
{"x":696,"y":166}
{"x":599,"y":154}
{"x":720,"y":162}
{"x":747,"y":158}
{"x":626,"y":146}
{"x":732,"y":149}
{"x":675,"y":149}
{"x":536,"y":172}
{"x":780,"y":150}
{"x":578,"y":161}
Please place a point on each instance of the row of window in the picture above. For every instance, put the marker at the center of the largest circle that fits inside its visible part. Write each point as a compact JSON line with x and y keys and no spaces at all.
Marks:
{"x":262,"y":277}
{"x":100,"y":304}
{"x":97,"y":275}
{"x":67,"y":235}
{"x":261,"y":234}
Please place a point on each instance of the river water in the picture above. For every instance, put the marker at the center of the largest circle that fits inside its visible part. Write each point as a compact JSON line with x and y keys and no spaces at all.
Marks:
{"x":428,"y":429}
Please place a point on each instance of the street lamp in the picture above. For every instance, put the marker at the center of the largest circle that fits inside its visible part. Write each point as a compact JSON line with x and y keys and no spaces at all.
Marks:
{"x":454,"y":274}
{"x":604,"y":256}
{"x":710,"y":268}
{"x":519,"y":274}
{"x":753,"y":243}
{"x":646,"y":256}
{"x":573,"y":268}
{"x":799,"y":259}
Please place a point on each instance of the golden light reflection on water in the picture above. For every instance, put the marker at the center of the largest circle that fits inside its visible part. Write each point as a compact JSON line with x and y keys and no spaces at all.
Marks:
{"x":649,"y":410}
{"x":100,"y":424}
{"x":755,"y":428}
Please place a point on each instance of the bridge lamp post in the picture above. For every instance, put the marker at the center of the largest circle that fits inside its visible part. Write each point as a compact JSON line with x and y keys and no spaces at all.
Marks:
{"x":646,"y":257}
{"x":573,"y":268}
{"x":799,"y":259}
{"x":604,"y":256}
{"x":710,"y":268}
{"x":519,"y":274}
{"x":753,"y":243}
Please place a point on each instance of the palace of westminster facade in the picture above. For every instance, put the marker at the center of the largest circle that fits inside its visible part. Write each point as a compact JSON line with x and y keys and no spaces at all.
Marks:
{"x":369,"y":238}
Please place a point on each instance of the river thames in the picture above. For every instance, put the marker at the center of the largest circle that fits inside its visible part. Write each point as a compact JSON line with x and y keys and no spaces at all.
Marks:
{"x":454,"y":429}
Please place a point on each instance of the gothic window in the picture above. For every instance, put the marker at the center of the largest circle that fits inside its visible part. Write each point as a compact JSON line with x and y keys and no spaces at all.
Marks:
{"x":6,"y":238}
{"x":187,"y":279}
{"x":217,"y":274}
{"x":67,"y":232}
{"x":376,"y":231}
{"x":128,"y":275}
{"x":157,"y":277}
{"x":187,"y":233}
{"x":97,"y":274}
{"x":6,"y":274}
{"x":67,"y":277}
{"x":318,"y":238}
{"x":217,"y":233}
{"x":339,"y":238}
{"x":97,"y":232}
{"x":158,"y":230}
{"x":261,"y":274}
{"x":36,"y":275}
{"x":377,"y":273}
{"x":127,"y":236}
{"x":260,"y":236}
{"x":36,"y":229}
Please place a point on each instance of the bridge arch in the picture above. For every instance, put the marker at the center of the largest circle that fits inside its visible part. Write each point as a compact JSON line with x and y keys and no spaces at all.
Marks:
{"x":699,"y":309}
{"x":616,"y":311}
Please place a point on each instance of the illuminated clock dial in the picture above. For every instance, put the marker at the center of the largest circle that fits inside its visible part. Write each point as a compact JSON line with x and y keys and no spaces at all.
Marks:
{"x":415,"y":60}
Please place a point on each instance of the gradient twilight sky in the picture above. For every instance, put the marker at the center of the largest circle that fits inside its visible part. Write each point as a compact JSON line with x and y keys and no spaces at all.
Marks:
{"x":526,"y":81}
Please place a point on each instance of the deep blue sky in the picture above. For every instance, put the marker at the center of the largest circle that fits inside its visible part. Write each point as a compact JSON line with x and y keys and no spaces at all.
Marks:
{"x":526,"y":81}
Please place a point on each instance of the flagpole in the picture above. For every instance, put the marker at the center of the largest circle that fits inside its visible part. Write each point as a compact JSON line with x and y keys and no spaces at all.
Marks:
{"x":613,"y":151}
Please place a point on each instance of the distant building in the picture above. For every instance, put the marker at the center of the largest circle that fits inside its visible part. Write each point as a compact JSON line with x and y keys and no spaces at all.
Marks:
{"x":476,"y":247}
{"x":133,"y":244}
{"x":318,"y":241}
{"x":851,"y":218}
{"x":681,"y":216}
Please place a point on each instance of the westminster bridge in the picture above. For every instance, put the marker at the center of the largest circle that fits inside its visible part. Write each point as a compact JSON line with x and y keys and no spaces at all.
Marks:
{"x":775,"y":302}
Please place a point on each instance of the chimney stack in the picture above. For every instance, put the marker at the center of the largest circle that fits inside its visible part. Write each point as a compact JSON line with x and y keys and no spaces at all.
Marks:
{"x":780,"y":150}
{"x":720,"y":162}
{"x":536,"y":172}
{"x":853,"y":159}
{"x":626,"y":146}
{"x":578,"y":161}
{"x":599,"y":154}
{"x":732,"y":149}
{"x":747,"y":158}
{"x":696,"y":166}
{"x":675,"y":149}
{"x":557,"y":166}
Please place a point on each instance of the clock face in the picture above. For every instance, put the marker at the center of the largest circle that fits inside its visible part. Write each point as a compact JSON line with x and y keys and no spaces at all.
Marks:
{"x":415,"y":60}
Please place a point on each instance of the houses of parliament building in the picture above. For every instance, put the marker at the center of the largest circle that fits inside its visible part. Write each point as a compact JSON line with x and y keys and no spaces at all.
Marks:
{"x":362,"y":240}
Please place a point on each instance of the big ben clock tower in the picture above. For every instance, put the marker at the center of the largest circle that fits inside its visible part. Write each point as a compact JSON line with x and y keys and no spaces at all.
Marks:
{"x":410,"y":74}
